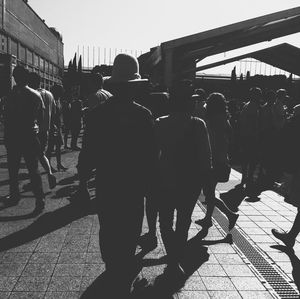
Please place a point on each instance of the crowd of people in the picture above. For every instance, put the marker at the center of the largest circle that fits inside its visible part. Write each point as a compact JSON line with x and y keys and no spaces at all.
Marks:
{"x":158,"y":160}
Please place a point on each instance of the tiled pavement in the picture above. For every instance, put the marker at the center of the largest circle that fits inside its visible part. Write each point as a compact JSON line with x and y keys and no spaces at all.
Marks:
{"x":56,"y":254}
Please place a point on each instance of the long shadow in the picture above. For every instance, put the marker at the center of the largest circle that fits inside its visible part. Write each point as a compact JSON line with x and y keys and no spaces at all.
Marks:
{"x":195,"y":256}
{"x":68,"y":180}
{"x":66,"y":191}
{"x":45,"y":224}
{"x":233,"y":198}
{"x":5,"y":165}
{"x":21,"y":177}
{"x":105,"y":286}
{"x":295,"y":261}
{"x":33,"y":214}
{"x":164,"y":287}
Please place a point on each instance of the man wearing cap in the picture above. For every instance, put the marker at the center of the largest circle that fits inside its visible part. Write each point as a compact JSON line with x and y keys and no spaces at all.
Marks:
{"x":119,"y":142}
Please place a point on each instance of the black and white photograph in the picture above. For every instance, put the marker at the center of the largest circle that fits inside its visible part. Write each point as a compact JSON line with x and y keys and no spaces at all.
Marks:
{"x":149,"y":149}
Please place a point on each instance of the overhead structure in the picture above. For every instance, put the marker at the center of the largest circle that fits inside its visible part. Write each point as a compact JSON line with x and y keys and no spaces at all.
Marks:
{"x":179,"y":55}
{"x":283,"y":56}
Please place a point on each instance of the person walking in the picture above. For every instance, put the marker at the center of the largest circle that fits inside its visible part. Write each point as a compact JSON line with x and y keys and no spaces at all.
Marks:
{"x":249,"y":136}
{"x":185,"y":166}
{"x":66,"y":113}
{"x":119,"y":142}
{"x":97,"y":95}
{"x":43,"y":135}
{"x":290,"y":160}
{"x":76,"y":114}
{"x":220,"y":133}
{"x":55,"y":134}
{"x":23,"y":117}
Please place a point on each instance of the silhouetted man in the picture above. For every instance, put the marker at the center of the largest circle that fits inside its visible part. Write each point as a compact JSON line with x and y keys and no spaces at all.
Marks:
{"x":22,"y":118}
{"x":97,"y":95}
{"x":76,"y":118}
{"x":185,"y":166}
{"x":43,"y":135}
{"x":119,"y":142}
{"x":249,"y":134}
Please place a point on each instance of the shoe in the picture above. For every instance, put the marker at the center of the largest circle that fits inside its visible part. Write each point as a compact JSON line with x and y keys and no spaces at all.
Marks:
{"x":204,"y":222}
{"x":284,"y":237}
{"x":39,"y":206}
{"x":232,"y":220}
{"x":9,"y":201}
{"x":52,"y":181}
{"x":148,"y":242}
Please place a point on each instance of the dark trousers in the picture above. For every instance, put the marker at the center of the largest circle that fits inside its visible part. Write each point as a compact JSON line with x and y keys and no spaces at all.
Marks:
{"x":75,"y":130}
{"x":29,"y":149}
{"x":120,"y":219}
{"x":175,"y":240}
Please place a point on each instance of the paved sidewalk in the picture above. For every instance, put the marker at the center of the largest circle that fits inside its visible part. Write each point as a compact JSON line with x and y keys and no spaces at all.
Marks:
{"x":56,"y":254}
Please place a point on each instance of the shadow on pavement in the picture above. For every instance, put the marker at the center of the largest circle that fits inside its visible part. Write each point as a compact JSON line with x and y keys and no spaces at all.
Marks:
{"x":294,"y":261}
{"x":233,"y":198}
{"x":196,"y":255}
{"x":68,"y":180}
{"x":165,"y":286}
{"x":113,"y":285}
{"x":21,"y":177}
{"x":66,"y":191}
{"x":45,"y":224}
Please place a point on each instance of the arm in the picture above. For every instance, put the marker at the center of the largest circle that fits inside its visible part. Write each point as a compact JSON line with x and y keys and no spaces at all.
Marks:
{"x":205,"y":157}
{"x":87,"y":156}
{"x":40,"y":111}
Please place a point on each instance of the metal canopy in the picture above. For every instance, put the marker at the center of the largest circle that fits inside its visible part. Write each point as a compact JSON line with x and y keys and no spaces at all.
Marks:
{"x":283,"y":56}
{"x":237,"y":35}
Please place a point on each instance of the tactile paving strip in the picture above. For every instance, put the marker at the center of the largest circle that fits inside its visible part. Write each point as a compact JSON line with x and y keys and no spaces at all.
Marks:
{"x":267,"y":271}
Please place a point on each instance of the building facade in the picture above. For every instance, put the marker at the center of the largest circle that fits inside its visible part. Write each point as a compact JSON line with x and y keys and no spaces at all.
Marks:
{"x":25,"y":39}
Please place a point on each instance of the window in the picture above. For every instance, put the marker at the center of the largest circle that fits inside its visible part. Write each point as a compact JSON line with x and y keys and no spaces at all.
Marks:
{"x":46,"y":66}
{"x":13,"y":48}
{"x":36,"y":60}
{"x":29,"y":57}
{"x":50,"y":68}
{"x":22,"y":53}
{"x":41,"y":64}
{"x":3,"y":43}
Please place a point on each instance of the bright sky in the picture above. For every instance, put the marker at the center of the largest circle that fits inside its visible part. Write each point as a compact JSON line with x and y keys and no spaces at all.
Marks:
{"x":142,"y":24}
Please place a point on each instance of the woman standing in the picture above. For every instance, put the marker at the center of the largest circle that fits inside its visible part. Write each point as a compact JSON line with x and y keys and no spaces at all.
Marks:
{"x":219,"y":131}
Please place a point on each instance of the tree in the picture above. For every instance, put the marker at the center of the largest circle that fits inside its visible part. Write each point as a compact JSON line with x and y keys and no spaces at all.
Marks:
{"x":248,"y":76}
{"x":75,"y":63}
{"x":233,"y":75}
{"x":80,"y":65}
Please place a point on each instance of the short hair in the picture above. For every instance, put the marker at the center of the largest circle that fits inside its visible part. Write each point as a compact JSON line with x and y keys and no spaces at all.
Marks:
{"x":34,"y":80}
{"x":281,"y":93}
{"x":20,"y":74}
{"x":201,"y":92}
{"x":216,"y":104}
{"x":57,"y":90}
{"x":270,"y":96}
{"x":95,"y":81}
{"x":181,"y":95}
{"x":255,"y":93}
{"x":181,"y":88}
